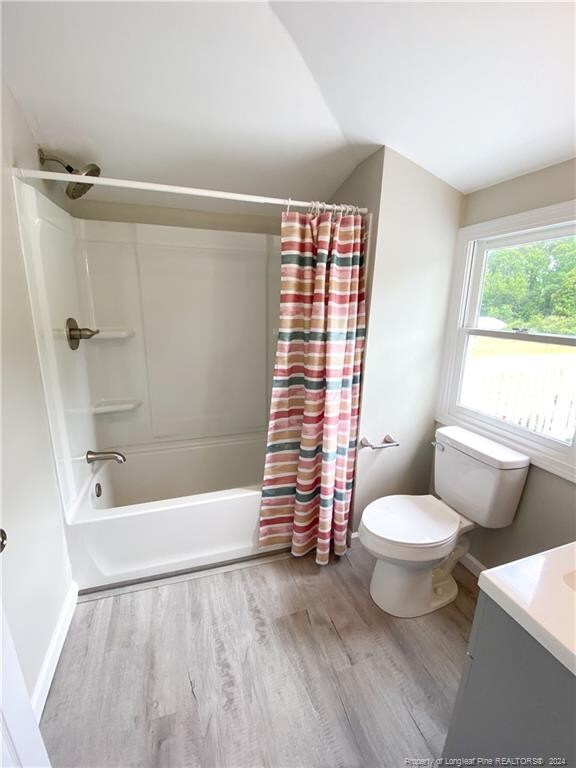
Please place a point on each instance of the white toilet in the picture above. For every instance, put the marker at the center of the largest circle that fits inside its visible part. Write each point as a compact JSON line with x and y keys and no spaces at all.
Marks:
{"x":417,"y":540}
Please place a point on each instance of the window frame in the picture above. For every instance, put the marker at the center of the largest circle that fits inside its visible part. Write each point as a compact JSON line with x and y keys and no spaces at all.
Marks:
{"x":464,"y":307}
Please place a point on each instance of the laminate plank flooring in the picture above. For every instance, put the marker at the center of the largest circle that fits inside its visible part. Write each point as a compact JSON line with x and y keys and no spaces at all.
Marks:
{"x":278,"y":665}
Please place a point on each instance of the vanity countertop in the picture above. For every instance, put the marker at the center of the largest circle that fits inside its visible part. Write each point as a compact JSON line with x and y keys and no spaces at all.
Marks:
{"x":539,"y":592}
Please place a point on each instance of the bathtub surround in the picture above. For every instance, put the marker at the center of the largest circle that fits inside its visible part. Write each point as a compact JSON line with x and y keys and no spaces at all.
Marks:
{"x":149,"y":380}
{"x":202,"y":369}
{"x":97,"y":210}
{"x":177,"y":379}
{"x":312,"y":432}
{"x":50,"y":249}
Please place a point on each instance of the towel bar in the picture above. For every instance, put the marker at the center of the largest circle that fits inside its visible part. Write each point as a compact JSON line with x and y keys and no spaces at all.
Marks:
{"x":387,"y":442}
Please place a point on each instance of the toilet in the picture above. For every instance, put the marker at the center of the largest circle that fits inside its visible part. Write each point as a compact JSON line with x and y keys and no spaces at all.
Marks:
{"x":417,"y":540}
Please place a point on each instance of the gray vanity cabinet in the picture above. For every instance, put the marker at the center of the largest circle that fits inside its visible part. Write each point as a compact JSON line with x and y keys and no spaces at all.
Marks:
{"x":515,"y":699}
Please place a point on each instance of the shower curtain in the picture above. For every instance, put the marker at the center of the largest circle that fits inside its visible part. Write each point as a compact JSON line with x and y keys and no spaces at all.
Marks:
{"x":311,"y":446}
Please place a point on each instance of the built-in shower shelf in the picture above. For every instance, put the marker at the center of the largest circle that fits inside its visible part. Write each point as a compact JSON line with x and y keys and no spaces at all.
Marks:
{"x":115,"y":406}
{"x":107,"y":334}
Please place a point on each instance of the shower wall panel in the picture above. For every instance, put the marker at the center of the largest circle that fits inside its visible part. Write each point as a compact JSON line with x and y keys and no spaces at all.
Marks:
{"x":204,"y":313}
{"x":179,"y":376}
{"x":188,"y":320}
{"x":51,"y":251}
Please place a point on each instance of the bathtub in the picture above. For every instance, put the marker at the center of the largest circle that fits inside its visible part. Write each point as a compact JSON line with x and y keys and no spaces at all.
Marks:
{"x":144,"y":524}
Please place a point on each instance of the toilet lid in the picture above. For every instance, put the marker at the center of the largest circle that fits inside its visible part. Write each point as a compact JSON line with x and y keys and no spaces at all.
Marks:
{"x":416,"y":521}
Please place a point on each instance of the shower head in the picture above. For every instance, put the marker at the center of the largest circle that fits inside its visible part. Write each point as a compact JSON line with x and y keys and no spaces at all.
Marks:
{"x":75,"y":189}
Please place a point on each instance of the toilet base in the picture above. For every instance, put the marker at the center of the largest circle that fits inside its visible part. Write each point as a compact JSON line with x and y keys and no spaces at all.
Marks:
{"x":444,"y":589}
{"x":411,"y":592}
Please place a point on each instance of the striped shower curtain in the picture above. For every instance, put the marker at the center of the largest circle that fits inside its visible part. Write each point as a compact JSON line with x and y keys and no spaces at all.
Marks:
{"x":311,"y":447}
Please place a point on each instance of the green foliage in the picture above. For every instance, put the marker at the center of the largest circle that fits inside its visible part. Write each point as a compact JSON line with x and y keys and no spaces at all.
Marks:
{"x":533,"y":286}
{"x":564,"y":299}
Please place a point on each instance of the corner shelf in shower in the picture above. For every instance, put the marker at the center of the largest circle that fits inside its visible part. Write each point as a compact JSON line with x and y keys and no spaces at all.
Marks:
{"x":115,"y":406}
{"x":108,"y":334}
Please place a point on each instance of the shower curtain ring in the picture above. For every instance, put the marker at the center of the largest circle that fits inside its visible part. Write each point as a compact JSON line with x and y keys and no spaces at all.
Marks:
{"x":289,"y":204}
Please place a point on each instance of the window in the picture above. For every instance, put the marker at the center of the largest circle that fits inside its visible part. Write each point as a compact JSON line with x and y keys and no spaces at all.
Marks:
{"x":511,"y":357}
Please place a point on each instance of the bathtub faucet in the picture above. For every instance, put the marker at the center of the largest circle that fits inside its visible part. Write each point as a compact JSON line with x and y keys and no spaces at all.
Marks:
{"x":92,"y":456}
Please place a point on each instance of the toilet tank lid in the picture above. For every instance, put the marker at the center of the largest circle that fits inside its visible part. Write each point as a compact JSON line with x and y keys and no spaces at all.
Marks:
{"x":482,"y":448}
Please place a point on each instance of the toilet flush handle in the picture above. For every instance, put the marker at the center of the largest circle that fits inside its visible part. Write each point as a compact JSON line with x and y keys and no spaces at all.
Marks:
{"x":437,"y":445}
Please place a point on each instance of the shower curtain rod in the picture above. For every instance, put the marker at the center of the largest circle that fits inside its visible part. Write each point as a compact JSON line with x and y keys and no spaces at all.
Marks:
{"x":146,"y":186}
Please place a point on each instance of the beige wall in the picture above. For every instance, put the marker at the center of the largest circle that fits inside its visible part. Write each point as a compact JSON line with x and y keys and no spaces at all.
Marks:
{"x":414,"y":227}
{"x":546,"y":516}
{"x":555,"y":184}
{"x":364,"y":188}
{"x":35,"y":570}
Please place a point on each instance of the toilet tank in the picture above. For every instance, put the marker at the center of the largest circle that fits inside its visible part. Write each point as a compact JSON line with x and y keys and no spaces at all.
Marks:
{"x":477,"y":477}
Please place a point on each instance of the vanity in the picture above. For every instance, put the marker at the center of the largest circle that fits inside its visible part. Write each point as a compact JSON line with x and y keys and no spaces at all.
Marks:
{"x":517,"y":695}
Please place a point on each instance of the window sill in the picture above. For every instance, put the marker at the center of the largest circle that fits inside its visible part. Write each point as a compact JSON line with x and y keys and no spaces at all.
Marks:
{"x":556,"y":460}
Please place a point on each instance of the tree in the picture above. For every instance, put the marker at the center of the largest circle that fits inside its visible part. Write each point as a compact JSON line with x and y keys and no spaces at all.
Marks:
{"x":532,"y":286}
{"x":564,"y":299}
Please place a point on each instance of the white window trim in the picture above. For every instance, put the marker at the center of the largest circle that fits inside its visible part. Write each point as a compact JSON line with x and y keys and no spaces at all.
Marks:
{"x":544,"y":452}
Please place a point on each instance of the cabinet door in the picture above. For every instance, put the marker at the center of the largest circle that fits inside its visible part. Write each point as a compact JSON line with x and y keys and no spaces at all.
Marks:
{"x":515,"y":699}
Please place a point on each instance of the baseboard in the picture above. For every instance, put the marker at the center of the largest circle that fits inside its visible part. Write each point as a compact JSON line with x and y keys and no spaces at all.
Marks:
{"x":472,"y":564}
{"x":44,"y":681}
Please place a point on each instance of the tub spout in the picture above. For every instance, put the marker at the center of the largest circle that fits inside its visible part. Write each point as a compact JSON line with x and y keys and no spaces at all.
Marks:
{"x":92,"y":456}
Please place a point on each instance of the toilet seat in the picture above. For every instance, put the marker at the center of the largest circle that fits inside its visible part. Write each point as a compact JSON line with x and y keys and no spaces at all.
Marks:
{"x":409,"y":528}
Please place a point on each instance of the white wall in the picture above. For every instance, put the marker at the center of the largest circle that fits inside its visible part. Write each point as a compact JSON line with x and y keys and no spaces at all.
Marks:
{"x":416,"y":220}
{"x":546,"y":516}
{"x":36,"y":579}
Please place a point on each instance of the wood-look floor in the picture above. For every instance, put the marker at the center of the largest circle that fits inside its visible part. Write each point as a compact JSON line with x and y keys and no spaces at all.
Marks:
{"x":280,"y":664}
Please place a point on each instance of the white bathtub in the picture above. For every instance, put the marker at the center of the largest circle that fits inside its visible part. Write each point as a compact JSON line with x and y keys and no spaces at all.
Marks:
{"x":132,"y":531}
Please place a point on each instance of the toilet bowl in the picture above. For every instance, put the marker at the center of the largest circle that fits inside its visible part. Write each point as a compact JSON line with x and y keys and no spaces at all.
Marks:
{"x":417,"y":540}
{"x":411,"y":537}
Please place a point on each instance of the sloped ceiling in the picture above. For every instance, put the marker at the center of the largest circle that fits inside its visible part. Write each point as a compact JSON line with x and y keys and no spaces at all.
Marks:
{"x":286,"y":99}
{"x":474,"y":92}
{"x":208,"y":95}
